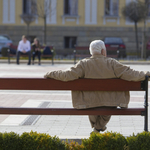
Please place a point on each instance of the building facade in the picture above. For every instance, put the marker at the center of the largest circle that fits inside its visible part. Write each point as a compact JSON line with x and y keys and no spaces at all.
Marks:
{"x":70,"y":22}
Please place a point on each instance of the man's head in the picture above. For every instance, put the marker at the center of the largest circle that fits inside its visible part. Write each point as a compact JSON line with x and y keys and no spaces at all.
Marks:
{"x":24,"y":38}
{"x":97,"y":47}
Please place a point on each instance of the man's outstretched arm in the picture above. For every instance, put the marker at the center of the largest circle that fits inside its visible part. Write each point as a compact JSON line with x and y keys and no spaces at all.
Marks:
{"x":73,"y":73}
{"x":126,"y":73}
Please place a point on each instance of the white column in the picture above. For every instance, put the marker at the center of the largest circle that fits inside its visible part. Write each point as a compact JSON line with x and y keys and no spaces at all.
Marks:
{"x":51,"y":18}
{"x":9,"y":11}
{"x":94,"y":11}
{"x":54,"y":12}
{"x":90,"y":12}
{"x":12,"y":11}
{"x":5,"y":11}
{"x":87,"y":11}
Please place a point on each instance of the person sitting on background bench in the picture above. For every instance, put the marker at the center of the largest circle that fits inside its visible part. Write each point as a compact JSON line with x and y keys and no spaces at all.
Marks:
{"x":36,"y":50}
{"x":98,"y":67}
{"x":24,"y":47}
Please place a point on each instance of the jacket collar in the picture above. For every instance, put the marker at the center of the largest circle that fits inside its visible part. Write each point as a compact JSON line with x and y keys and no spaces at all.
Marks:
{"x":95,"y":56}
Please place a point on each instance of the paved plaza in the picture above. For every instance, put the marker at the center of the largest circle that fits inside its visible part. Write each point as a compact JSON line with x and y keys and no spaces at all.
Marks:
{"x":71,"y":127}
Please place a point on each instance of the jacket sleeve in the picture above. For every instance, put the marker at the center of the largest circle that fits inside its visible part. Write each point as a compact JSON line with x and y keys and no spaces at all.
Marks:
{"x":19,"y":48}
{"x":28,"y":46}
{"x":126,"y":73}
{"x":73,"y":73}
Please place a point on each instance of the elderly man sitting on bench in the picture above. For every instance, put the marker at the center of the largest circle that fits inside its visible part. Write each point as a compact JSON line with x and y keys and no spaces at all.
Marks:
{"x":98,"y":66}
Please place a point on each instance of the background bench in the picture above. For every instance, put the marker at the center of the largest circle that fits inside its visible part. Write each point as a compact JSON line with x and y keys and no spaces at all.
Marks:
{"x":12,"y":52}
{"x":81,"y":52}
{"x":76,"y":85}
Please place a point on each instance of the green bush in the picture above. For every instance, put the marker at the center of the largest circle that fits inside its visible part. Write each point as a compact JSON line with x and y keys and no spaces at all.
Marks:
{"x":4,"y":51}
{"x":30,"y":141}
{"x":141,"y":141}
{"x":97,"y":141}
{"x":73,"y":146}
{"x":106,"y":141}
{"x":10,"y":141}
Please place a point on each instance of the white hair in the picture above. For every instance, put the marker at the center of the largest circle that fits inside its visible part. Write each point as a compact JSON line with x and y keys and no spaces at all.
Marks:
{"x":96,"y":47}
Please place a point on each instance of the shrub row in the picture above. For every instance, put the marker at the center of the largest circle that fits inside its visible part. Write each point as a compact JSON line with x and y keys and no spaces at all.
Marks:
{"x":105,"y":141}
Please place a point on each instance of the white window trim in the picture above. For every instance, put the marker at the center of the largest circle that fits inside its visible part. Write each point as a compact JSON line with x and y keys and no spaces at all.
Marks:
{"x":111,"y":17}
{"x":116,"y":17}
{"x":64,"y":17}
{"x":52,"y":19}
{"x":90,"y":12}
{"x":70,"y":18}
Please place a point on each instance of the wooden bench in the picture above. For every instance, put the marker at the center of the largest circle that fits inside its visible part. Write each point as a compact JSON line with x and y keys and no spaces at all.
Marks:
{"x":14,"y":47}
{"x":83,"y":52}
{"x":76,"y":85}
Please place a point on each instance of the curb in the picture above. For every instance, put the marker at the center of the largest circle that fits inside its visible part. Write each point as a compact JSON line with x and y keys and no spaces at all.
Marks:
{"x":72,"y":62}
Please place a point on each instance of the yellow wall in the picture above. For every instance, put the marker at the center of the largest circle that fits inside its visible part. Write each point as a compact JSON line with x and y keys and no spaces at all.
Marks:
{"x":81,"y":13}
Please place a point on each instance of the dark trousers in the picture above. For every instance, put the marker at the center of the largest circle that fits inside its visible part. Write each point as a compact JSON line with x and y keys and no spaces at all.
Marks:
{"x":27,"y":53}
{"x":37,"y":53}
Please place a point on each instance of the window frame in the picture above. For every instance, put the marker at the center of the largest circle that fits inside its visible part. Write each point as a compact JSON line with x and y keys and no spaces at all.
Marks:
{"x":68,"y":9}
{"x":111,"y":8}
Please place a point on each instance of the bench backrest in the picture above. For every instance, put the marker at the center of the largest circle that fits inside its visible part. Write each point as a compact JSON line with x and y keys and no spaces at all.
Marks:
{"x":76,"y":85}
{"x":82,"y":48}
{"x":16,"y":46}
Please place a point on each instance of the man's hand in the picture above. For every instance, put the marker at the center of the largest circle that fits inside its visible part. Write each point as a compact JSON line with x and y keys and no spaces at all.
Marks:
{"x":24,"y":51}
{"x":46,"y":76}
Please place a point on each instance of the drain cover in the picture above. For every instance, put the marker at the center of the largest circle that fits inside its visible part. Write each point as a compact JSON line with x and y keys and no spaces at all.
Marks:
{"x":32,"y":119}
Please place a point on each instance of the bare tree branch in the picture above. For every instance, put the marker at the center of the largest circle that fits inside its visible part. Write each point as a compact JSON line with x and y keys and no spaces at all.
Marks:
{"x":44,"y":9}
{"x":136,"y":11}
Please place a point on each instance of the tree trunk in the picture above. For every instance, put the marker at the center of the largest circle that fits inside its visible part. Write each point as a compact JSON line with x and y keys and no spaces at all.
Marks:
{"x":45,"y":30}
{"x":144,"y":32}
{"x":136,"y":37}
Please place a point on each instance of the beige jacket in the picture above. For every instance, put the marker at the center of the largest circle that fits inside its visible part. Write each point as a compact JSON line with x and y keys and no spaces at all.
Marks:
{"x":98,"y":67}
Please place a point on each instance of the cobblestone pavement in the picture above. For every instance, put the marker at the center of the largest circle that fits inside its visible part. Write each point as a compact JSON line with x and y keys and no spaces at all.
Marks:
{"x":62,"y":126}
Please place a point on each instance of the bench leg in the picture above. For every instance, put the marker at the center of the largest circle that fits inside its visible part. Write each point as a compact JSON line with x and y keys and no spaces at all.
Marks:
{"x":52,"y":57}
{"x":146,"y":115}
{"x":8,"y":53}
{"x":74,"y":56}
{"x":52,"y":60}
{"x":146,"y":106}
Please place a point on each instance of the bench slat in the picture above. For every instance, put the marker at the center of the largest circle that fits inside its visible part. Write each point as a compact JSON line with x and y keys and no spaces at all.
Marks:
{"x":71,"y":111}
{"x":76,"y":85}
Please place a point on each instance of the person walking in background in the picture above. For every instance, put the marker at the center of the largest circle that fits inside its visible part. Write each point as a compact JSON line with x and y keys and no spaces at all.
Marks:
{"x":24,"y":47}
{"x":36,"y":50}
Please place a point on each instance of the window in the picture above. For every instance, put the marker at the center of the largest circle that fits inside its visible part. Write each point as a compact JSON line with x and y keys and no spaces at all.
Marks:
{"x":111,"y":7}
{"x":28,"y":6}
{"x":70,"y":42}
{"x":71,"y":7}
{"x":147,"y":2}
